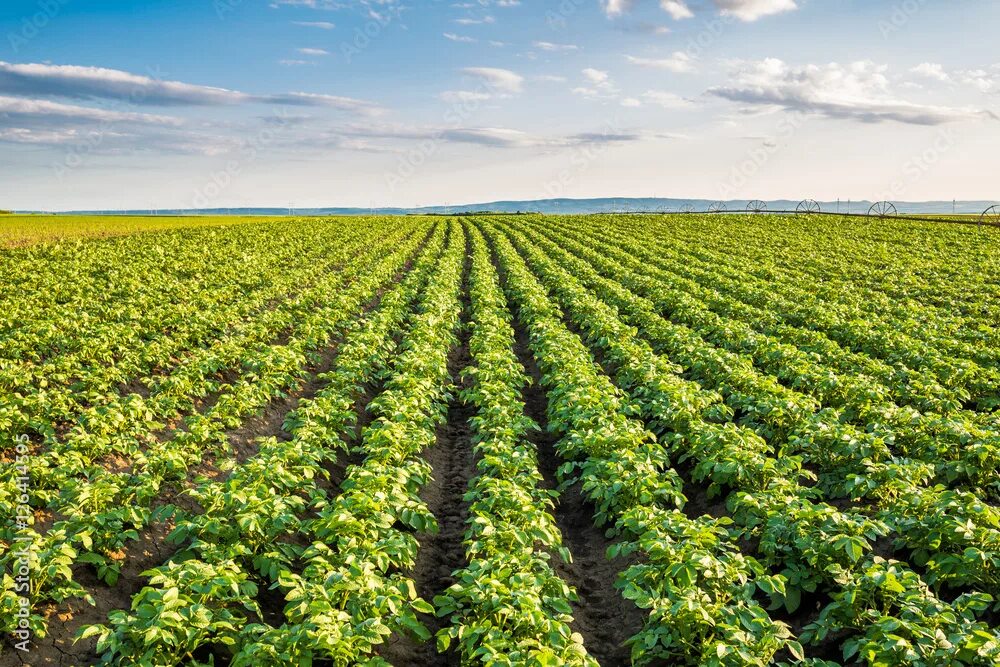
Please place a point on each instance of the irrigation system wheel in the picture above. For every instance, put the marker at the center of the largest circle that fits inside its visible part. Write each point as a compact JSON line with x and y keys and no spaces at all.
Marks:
{"x":687,"y":208}
{"x":756,"y":206}
{"x":717,"y":207}
{"x":990,"y":216}
{"x":808,"y":206}
{"x":883,"y":209}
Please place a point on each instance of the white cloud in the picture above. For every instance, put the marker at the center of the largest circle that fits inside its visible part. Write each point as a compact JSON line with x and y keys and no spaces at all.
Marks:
{"x":677,"y":9}
{"x":313,"y":52}
{"x":495,"y":78}
{"x":744,"y":10}
{"x":98,"y":82}
{"x":631,"y":102}
{"x":678,"y":62}
{"x":16,"y":107}
{"x":464,"y":96}
{"x":858,"y":91}
{"x":87,"y":83}
{"x":328,"y":101}
{"x":458,"y":38}
{"x":751,"y":10}
{"x":496,"y":137}
{"x":985,"y":81}
{"x":666,"y":100}
{"x":616,"y":7}
{"x":322,"y":25}
{"x":489,"y":136}
{"x":931,"y":71}
{"x":550,"y":46}
{"x":598,"y":85}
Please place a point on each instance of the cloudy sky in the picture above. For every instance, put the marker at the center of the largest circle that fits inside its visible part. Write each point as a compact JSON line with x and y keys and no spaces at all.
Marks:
{"x":224,"y":103}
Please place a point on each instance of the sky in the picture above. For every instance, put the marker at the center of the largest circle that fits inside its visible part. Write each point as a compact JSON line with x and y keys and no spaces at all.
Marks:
{"x":232,"y":103}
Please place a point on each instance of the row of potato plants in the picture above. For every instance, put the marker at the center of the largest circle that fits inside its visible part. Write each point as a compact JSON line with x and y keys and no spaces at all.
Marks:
{"x":102,"y":315}
{"x":812,"y":543}
{"x":932,"y":266}
{"x":889,"y":331}
{"x":100,"y":513}
{"x":250,"y":531}
{"x":953,"y":535}
{"x":698,"y":587}
{"x":507,"y":606}
{"x":750,"y":299}
{"x":962,"y":450}
{"x":942,"y":272}
{"x":355,"y":590}
{"x":781,"y":293}
{"x":121,"y":426}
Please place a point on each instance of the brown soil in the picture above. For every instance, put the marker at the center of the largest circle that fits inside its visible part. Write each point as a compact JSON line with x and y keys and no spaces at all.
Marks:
{"x":601,"y":615}
{"x":152,"y":549}
{"x":452,"y":463}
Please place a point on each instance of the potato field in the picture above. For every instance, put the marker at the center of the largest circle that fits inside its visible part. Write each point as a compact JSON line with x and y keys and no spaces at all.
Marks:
{"x":609,"y":440}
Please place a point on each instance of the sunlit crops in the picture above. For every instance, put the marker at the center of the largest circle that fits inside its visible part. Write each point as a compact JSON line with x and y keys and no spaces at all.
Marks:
{"x":19,"y":230}
{"x":511,"y":440}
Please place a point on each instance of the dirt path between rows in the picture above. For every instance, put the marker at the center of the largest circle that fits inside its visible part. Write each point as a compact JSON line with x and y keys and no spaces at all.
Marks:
{"x":452,"y":463}
{"x":601,"y":615}
{"x":151,"y":549}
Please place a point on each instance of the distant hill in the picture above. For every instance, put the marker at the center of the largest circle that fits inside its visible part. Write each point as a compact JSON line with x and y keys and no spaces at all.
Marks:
{"x":573,"y":206}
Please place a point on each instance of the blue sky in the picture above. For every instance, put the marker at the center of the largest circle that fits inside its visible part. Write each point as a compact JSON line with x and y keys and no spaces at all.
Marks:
{"x":225,"y":103}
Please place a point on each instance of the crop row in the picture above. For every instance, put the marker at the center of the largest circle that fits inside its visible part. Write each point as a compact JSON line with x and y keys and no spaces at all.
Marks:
{"x":101,"y":316}
{"x":508,"y":606}
{"x":99,"y":511}
{"x":953,"y":534}
{"x":697,"y":586}
{"x":811,"y":543}
{"x":250,"y":531}
{"x":962,"y":449}
{"x":878,"y":325}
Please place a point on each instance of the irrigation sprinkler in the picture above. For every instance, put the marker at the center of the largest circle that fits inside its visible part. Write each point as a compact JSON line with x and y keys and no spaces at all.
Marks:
{"x":757,"y":206}
{"x":990,"y":216}
{"x":717,"y":207}
{"x":687,"y":208}
{"x":883,"y":209}
{"x":808,"y":206}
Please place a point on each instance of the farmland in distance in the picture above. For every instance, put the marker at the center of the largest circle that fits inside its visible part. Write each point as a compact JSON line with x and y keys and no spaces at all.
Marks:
{"x":499,"y":440}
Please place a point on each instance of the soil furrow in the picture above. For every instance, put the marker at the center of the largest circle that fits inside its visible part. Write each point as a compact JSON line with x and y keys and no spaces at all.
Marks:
{"x":152,"y":549}
{"x":452,"y":464}
{"x":601,"y":615}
